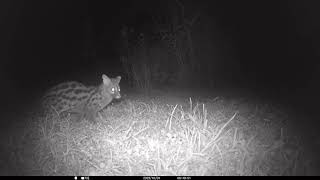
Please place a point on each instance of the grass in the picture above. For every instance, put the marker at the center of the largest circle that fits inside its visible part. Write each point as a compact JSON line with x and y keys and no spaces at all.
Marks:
{"x":159,"y":137}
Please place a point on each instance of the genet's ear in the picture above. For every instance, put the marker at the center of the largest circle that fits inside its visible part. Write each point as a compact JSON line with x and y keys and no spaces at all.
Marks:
{"x":106,"y":79}
{"x":117,"y":79}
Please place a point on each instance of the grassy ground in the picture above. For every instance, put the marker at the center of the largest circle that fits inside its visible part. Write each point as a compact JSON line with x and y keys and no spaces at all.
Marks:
{"x":173,"y":134}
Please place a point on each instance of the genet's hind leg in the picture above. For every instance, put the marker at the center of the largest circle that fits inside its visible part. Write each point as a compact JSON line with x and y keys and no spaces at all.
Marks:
{"x":90,"y":116}
{"x":76,"y":114}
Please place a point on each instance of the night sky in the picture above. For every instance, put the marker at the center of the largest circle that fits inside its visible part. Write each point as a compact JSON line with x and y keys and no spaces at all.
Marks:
{"x":267,"y":46}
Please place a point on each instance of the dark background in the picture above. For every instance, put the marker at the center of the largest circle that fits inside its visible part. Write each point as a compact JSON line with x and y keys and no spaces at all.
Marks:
{"x":270,"y":47}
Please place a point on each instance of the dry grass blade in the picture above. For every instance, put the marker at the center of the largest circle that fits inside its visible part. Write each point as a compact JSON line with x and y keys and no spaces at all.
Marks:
{"x":218,"y":134}
{"x":169,"y":120}
{"x":225,"y":125}
{"x":205,"y":113}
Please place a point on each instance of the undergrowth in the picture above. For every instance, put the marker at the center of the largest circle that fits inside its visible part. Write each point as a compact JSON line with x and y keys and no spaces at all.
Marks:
{"x":152,"y":137}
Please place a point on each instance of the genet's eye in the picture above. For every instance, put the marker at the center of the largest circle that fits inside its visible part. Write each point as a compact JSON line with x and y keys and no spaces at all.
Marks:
{"x":112,"y":90}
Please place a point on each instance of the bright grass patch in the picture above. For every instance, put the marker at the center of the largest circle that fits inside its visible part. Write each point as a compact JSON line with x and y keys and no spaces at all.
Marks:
{"x":151,"y":137}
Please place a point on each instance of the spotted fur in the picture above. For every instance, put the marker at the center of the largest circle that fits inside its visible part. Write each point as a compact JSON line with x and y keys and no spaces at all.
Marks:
{"x":75,"y":97}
